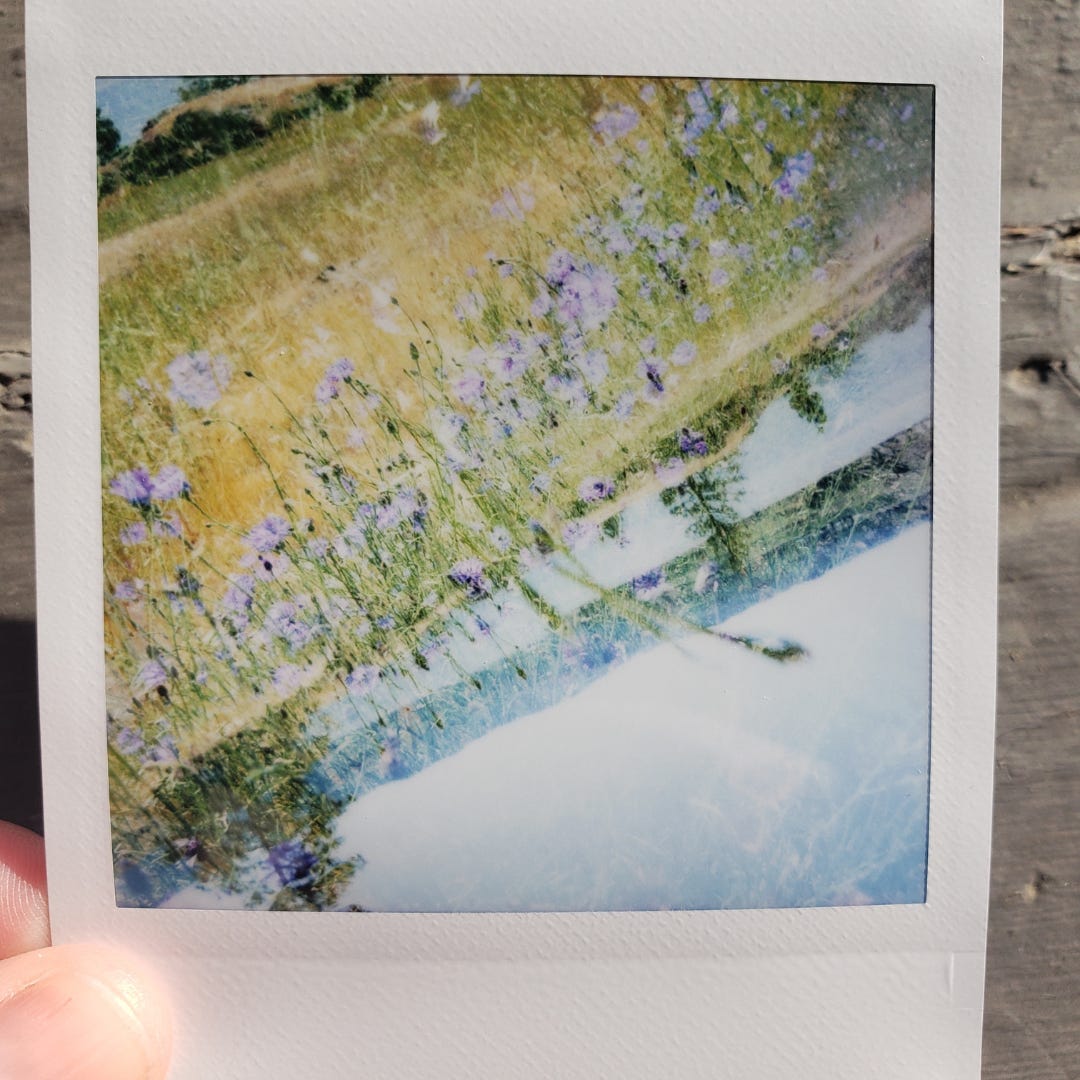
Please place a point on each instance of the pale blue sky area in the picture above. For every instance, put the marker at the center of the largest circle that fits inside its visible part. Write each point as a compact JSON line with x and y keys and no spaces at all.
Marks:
{"x":129,"y":102}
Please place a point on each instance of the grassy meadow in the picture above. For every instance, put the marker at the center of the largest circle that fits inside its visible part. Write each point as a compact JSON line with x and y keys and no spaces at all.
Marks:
{"x":361,"y":377}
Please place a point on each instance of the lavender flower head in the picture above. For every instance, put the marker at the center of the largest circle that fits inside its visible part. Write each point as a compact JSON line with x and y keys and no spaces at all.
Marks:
{"x":170,"y":483}
{"x":693,"y":442}
{"x":269,"y":534}
{"x":134,"y":534}
{"x":469,"y":574}
{"x":293,"y":863}
{"x":361,"y":680}
{"x":612,"y":124}
{"x":134,"y":485}
{"x":150,"y":676}
{"x":199,"y":379}
{"x":650,"y":585}
{"x":796,"y":172}
{"x":333,"y":378}
{"x":596,"y":488}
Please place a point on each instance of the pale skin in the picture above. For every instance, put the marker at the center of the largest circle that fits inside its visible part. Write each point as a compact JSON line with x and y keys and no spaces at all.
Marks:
{"x":69,"y":1012}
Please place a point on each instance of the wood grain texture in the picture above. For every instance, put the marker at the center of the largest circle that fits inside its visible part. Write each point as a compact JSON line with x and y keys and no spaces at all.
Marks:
{"x":1033,"y":985}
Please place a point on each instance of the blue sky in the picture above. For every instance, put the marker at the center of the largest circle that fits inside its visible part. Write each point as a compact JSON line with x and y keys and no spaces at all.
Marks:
{"x":129,"y":102}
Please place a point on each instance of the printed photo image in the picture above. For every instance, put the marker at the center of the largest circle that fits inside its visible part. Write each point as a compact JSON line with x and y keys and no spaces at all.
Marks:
{"x":516,"y":491}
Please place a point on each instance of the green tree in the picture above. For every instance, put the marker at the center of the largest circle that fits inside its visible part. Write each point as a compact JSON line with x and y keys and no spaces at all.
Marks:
{"x":108,"y":139}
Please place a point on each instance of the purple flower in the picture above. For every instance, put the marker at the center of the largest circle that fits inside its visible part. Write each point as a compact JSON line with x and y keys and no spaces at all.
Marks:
{"x":127,"y":590}
{"x":595,"y":488}
{"x":133,"y":534}
{"x":150,"y":676}
{"x":293,"y":863}
{"x":719,"y":277}
{"x":199,"y":379}
{"x":796,"y":172}
{"x":469,"y":574}
{"x":134,"y":485}
{"x":470,"y":387}
{"x":282,"y":621}
{"x":652,"y":369}
{"x":818,"y":330}
{"x":615,"y":122}
{"x":648,"y":93}
{"x":729,"y":117}
{"x":650,"y":585}
{"x":702,"y":313}
{"x":693,"y":442}
{"x":361,"y":680}
{"x":587,"y":296}
{"x":541,"y":305}
{"x":684,"y":353}
{"x":170,"y":483}
{"x":288,"y":678}
{"x":560,"y":265}
{"x":335,"y":375}
{"x":907,"y":112}
{"x":269,"y":534}
{"x":129,"y":741}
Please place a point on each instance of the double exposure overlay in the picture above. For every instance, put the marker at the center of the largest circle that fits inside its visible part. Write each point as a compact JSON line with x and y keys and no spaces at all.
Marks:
{"x":516,"y":491}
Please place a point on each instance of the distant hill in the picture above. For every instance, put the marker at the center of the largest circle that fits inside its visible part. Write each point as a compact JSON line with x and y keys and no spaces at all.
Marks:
{"x":210,"y":125}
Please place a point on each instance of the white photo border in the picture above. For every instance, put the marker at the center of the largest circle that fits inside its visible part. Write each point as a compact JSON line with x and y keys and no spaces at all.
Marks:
{"x":893,"y":990}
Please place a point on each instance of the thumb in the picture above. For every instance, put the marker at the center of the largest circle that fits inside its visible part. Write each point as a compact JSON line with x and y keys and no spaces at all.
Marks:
{"x":80,"y":1012}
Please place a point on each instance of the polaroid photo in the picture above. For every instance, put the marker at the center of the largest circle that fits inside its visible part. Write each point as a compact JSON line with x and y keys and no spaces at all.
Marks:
{"x":517,"y":509}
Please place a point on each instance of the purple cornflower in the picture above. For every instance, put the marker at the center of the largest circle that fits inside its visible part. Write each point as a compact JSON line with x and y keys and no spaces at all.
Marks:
{"x":293,"y":863}
{"x":796,"y":172}
{"x":684,"y":353}
{"x":624,"y":405}
{"x":470,"y":387}
{"x":469,"y":574}
{"x":199,"y":379}
{"x":170,"y":483}
{"x":126,"y":590}
{"x":587,"y":296}
{"x":134,"y":485}
{"x":729,"y":117}
{"x":818,"y":330}
{"x":269,"y":534}
{"x":333,"y":378}
{"x":133,"y":534}
{"x":705,"y":206}
{"x":906,"y":113}
{"x":652,"y":371}
{"x":288,"y":678}
{"x":650,"y":585}
{"x":615,"y":122}
{"x":361,"y":680}
{"x":169,"y":527}
{"x":282,"y":621}
{"x":595,"y":488}
{"x":150,"y":676}
{"x":702,"y":313}
{"x":648,"y":93}
{"x":560,"y":265}
{"x":541,"y":305}
{"x":129,"y":741}
{"x":719,"y":277}
{"x":693,"y":442}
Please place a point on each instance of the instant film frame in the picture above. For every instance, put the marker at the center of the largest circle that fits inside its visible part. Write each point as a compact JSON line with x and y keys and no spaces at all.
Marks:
{"x":893,"y":991}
